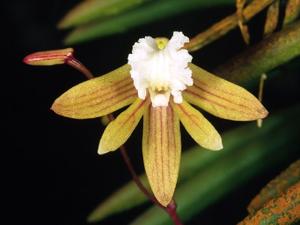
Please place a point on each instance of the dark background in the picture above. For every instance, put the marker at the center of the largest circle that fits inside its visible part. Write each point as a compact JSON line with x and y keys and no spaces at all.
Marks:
{"x":53,"y":174}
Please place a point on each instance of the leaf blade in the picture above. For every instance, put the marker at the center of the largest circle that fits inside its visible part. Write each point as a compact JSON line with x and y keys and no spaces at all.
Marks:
{"x":136,"y":17}
{"x":91,"y":10}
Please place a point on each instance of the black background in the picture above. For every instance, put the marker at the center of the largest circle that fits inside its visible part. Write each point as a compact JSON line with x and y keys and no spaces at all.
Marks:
{"x":53,"y":174}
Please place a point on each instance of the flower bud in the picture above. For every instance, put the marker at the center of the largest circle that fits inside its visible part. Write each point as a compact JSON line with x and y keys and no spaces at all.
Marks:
{"x":49,"y":58}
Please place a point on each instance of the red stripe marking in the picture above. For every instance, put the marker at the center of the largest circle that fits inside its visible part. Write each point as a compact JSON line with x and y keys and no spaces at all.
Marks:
{"x":199,"y":84}
{"x":99,"y":101}
{"x":169,"y":136}
{"x":123,"y":82}
{"x":135,"y":111}
{"x":162,"y":131}
{"x":174,"y":135}
{"x":191,"y":118}
{"x":40,"y":57}
{"x":97,"y":94}
{"x":155,"y":169}
{"x":71,"y":112}
{"x":132,"y":115}
{"x":112,"y":100}
{"x":214,"y":102}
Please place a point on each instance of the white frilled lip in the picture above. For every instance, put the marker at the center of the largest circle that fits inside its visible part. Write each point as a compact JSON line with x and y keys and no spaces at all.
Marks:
{"x":161,"y":68}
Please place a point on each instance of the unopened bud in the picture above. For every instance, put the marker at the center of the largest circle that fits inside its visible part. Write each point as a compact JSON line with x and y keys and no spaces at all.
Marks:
{"x":49,"y":58}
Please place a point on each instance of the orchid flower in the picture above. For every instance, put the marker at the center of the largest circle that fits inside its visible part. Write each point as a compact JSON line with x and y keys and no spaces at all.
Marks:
{"x":160,"y":83}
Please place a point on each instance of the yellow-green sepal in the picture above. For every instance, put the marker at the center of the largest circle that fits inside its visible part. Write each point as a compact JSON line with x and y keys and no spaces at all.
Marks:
{"x":198,"y":127}
{"x":161,"y":151}
{"x":97,"y":97}
{"x":118,"y":131}
{"x":222,"y":98}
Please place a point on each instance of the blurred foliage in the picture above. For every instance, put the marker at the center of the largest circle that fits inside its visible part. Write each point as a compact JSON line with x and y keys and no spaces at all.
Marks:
{"x":89,"y":11}
{"x":99,"y":19}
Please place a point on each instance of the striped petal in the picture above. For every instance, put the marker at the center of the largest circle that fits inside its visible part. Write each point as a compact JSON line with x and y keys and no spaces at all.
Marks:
{"x":198,"y":127}
{"x":118,"y":131}
{"x":161,"y":151}
{"x":97,"y":97}
{"x":222,"y":98}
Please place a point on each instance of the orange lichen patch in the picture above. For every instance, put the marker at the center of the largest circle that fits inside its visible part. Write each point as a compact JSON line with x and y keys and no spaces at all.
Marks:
{"x":295,"y":211}
{"x":283,"y":210}
{"x":283,"y":220}
{"x":274,"y":188}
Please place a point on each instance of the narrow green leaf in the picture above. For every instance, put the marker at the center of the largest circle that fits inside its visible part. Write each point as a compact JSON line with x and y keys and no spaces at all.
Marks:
{"x":221,"y":177}
{"x":153,"y":11}
{"x":271,"y":52}
{"x":194,"y":160}
{"x":91,"y":10}
{"x":128,"y":194}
